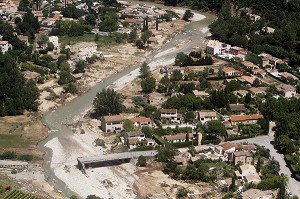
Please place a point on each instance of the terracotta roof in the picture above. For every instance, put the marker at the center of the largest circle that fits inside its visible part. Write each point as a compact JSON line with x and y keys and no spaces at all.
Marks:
{"x":238,"y":118}
{"x":287,"y":75}
{"x":229,"y":145}
{"x":255,"y":90}
{"x":135,"y":134}
{"x":237,"y":107}
{"x":140,"y":119}
{"x":285,"y":88}
{"x":112,"y":118}
{"x":253,"y":177}
{"x":256,"y":193}
{"x":129,"y":20}
{"x":242,"y":153}
{"x":228,"y":69}
{"x":23,"y":38}
{"x":247,"y":167}
{"x":247,"y":79}
{"x":3,"y":42}
{"x":207,"y":114}
{"x":249,"y":147}
{"x":178,"y":136}
{"x":259,"y":71}
{"x":132,"y":140}
{"x":168,"y":110}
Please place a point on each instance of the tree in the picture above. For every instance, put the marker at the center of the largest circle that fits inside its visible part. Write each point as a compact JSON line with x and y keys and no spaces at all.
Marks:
{"x":128,"y":125}
{"x":73,"y":197}
{"x":256,"y":82}
{"x":65,"y":77}
{"x":107,"y":102}
{"x":42,"y":40}
{"x":189,"y":116}
{"x":144,"y":70}
{"x":248,"y":98}
{"x":146,"y":35}
{"x":166,"y":154}
{"x":176,"y":75}
{"x":132,"y":36}
{"x":92,"y":197}
{"x":90,"y":19}
{"x":187,"y":15}
{"x":142,"y":162}
{"x":216,"y":128}
{"x":80,"y":66}
{"x":182,"y":192}
{"x":285,"y":144}
{"x":148,"y":85}
{"x":110,"y":22}
{"x":50,"y":46}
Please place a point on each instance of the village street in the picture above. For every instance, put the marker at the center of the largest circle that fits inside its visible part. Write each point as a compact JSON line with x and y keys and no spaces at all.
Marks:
{"x":292,"y":185}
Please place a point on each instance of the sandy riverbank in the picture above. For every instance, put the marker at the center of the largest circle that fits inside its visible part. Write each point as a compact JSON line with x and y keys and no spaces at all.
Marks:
{"x":106,"y":182}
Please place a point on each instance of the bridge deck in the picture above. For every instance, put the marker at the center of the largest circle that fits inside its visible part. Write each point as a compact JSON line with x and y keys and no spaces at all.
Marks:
{"x":116,"y":156}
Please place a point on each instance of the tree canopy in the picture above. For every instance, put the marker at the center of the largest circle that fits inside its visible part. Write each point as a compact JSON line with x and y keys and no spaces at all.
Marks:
{"x":107,"y":102}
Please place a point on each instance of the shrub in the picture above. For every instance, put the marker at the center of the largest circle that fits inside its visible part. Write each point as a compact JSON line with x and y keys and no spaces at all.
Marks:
{"x":14,"y":171}
{"x":100,"y":142}
{"x":142,"y":162}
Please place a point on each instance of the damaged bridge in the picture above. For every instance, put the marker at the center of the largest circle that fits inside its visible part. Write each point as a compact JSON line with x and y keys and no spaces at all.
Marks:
{"x":110,"y":159}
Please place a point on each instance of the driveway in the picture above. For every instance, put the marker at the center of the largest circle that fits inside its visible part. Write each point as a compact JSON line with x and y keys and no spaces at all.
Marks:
{"x":293,"y":185}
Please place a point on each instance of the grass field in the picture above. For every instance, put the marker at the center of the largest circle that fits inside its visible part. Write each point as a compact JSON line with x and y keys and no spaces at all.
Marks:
{"x":16,"y":141}
{"x":5,"y":181}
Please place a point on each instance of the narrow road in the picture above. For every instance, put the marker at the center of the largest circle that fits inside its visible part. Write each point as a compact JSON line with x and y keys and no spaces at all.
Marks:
{"x":193,"y":35}
{"x":293,"y":185}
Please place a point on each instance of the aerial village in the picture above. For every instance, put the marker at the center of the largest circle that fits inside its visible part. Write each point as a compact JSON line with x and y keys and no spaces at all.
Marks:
{"x":197,"y":112}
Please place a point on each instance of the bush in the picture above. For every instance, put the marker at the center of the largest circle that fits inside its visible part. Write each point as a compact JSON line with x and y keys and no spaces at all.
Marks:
{"x":182,"y":192}
{"x":142,"y":162}
{"x":8,"y":155}
{"x":100,"y":142}
{"x":25,"y":157}
{"x":14,"y":171}
{"x":70,"y":88}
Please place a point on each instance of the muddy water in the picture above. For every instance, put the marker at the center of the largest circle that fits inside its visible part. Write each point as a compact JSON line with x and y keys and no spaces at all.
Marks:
{"x":57,"y":121}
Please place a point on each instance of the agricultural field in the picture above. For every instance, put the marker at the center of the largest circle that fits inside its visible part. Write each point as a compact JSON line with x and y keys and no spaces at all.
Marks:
{"x":17,"y":194}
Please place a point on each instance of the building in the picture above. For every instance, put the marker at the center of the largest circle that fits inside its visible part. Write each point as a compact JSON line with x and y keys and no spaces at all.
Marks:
{"x":133,"y":139}
{"x":267,"y":60}
{"x":200,"y":94}
{"x":215,"y":47}
{"x":235,"y":50}
{"x":180,"y":137}
{"x":112,"y":123}
{"x":246,"y":169}
{"x":205,"y":116}
{"x":259,"y":72}
{"x":141,"y":121}
{"x":170,"y":114}
{"x":30,"y":74}
{"x":156,"y":99}
{"x":249,"y":65}
{"x":4,"y":46}
{"x":256,"y":91}
{"x":285,"y":76}
{"x":24,"y":39}
{"x":237,"y":107}
{"x":229,"y":72}
{"x":259,"y":194}
{"x":242,"y":157}
{"x":254,"y":17}
{"x":252,"y":178}
{"x":246,"y":80}
{"x":286,"y":90}
{"x":245,"y":119}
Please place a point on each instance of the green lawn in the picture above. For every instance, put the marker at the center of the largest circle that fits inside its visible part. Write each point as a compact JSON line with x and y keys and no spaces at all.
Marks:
{"x":10,"y":140}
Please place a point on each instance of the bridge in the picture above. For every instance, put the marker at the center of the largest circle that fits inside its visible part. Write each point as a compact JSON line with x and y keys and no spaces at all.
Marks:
{"x":85,"y":162}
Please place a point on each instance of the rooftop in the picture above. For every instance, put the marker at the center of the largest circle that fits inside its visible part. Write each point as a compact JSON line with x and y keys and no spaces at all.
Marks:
{"x":240,"y":118}
{"x":112,"y":118}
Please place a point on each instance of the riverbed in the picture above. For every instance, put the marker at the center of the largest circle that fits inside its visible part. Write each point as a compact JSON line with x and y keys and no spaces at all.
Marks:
{"x":62,"y":147}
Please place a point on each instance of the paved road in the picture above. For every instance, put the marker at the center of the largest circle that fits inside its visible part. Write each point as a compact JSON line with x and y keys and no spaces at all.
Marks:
{"x":293,"y":185}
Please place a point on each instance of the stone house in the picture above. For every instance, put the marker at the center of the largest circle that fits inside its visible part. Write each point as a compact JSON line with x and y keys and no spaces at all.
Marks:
{"x":112,"y":123}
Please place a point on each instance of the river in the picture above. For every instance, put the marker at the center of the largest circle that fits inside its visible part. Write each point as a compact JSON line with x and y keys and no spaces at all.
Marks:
{"x":193,"y":35}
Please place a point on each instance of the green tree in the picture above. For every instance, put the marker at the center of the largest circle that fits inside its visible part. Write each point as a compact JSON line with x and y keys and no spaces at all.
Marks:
{"x":285,"y":144}
{"x":182,"y":192}
{"x":144,"y":70}
{"x":132,"y":36}
{"x":146,"y":35}
{"x":73,"y":197}
{"x":90,"y":19}
{"x":166,"y":154}
{"x":42,"y":40}
{"x":142,"y":162}
{"x":176,"y":75}
{"x":80,"y":66}
{"x":128,"y":125}
{"x":92,"y":197}
{"x":148,"y":85}
{"x":248,"y":98}
{"x":107,"y":102}
{"x":216,"y":128}
{"x":187,"y":15}
{"x":110,"y":22}
{"x":70,"y":88}
{"x":256,"y":82}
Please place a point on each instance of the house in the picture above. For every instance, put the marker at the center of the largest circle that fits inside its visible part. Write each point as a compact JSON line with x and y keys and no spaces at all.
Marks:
{"x":82,"y":55}
{"x":247,"y":80}
{"x":215,"y":47}
{"x":180,"y":137}
{"x":38,"y":14}
{"x":259,"y":72}
{"x":241,"y":93}
{"x":285,"y":76}
{"x":269,"y":60}
{"x":237,"y":107}
{"x":205,"y":116}
{"x":54,"y":41}
{"x":170,"y":114}
{"x":235,"y":50}
{"x":286,"y":90}
{"x":245,"y":119}
{"x":4,"y":46}
{"x":200,"y":94}
{"x":246,"y":169}
{"x":229,"y":148}
{"x":134,"y":134}
{"x":57,"y":15}
{"x":152,"y":40}
{"x":170,"y":69}
{"x":252,"y":178}
{"x":254,"y":17}
{"x":241,"y":157}
{"x":141,"y":121}
{"x":156,"y":99}
{"x":249,"y":65}
{"x":268,"y":30}
{"x":256,"y":91}
{"x":259,"y":194}
{"x":229,"y":72}
{"x":24,"y":39}
{"x":112,"y":123}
